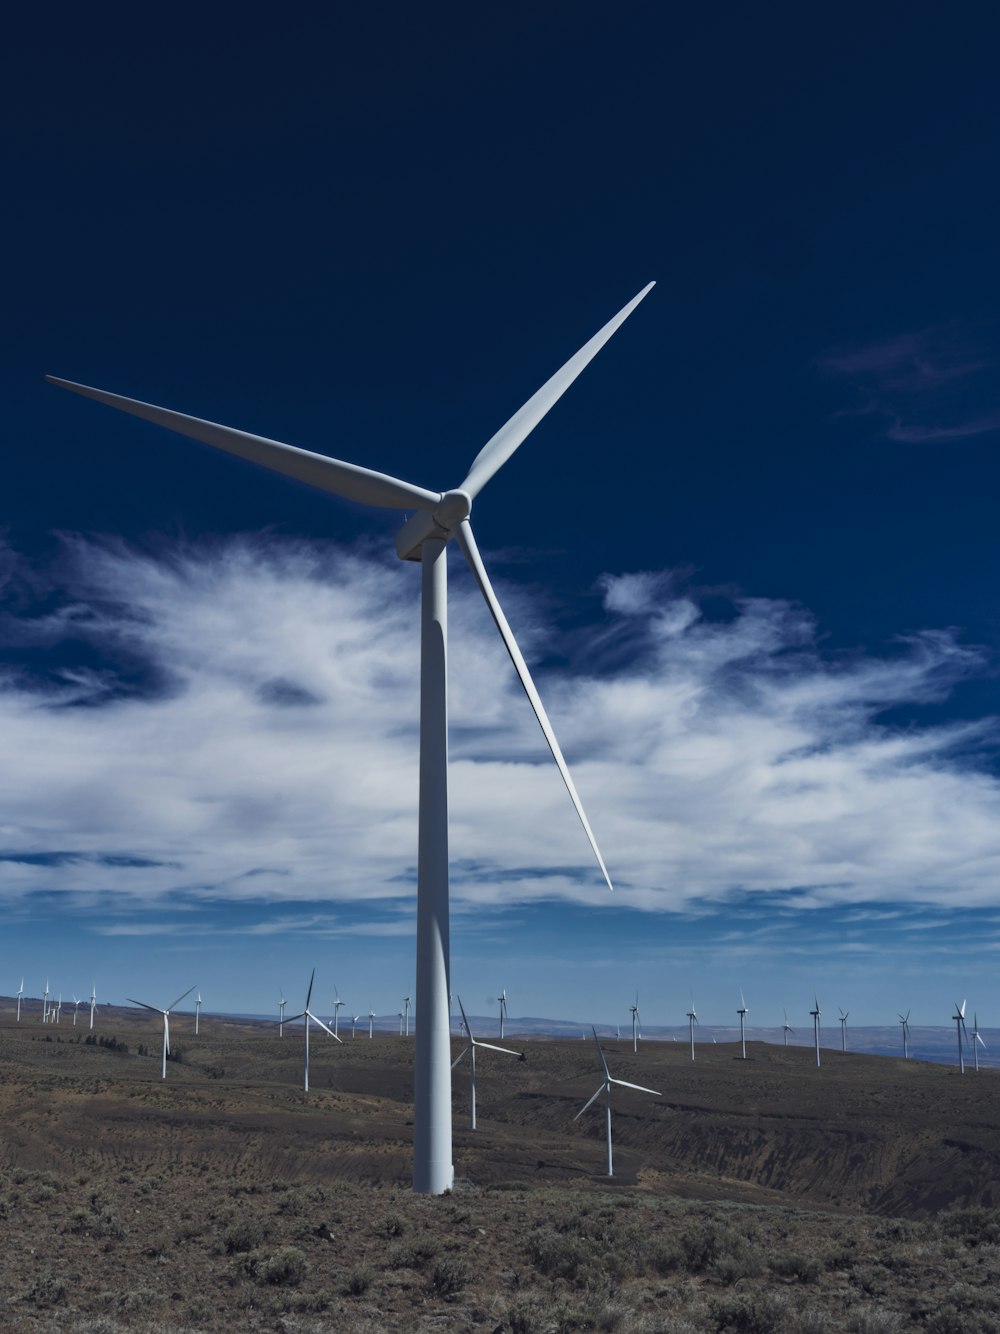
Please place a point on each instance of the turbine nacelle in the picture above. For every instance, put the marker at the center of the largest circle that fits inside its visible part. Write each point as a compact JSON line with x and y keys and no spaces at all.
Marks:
{"x":439,"y":522}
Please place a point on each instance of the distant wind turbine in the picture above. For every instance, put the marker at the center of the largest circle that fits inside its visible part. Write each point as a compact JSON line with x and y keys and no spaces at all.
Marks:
{"x":166,"y":1021}
{"x":337,"y":1005}
{"x":308,"y":1015}
{"x":635,"y":1023}
{"x":438,"y":517}
{"x":843,"y":1027}
{"x":20,"y":993}
{"x":76,"y":1008}
{"x":474,"y":1043}
{"x":692,"y":1020}
{"x":354,"y":1025}
{"x":977,"y":1041}
{"x":93,"y":1002}
{"x":197,"y":1012}
{"x":45,"y":1003}
{"x":904,"y":1019}
{"x":815,"y":1012}
{"x":281,"y":1013}
{"x":371,"y":1024}
{"x":786,"y":1028}
{"x":742,"y":1012}
{"x":605,"y":1088}
{"x":959,"y":1018}
{"x":502,"y":1001}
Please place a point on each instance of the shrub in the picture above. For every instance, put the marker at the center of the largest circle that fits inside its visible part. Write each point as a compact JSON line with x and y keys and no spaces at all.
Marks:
{"x":448,"y":1277}
{"x":752,"y":1313}
{"x":244,"y":1235}
{"x":286,"y":1266}
{"x":357,"y":1282}
{"x":392,"y":1225}
{"x":793,"y":1264}
{"x":47,"y":1289}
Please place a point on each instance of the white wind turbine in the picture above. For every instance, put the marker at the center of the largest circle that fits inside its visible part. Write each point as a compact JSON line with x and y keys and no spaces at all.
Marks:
{"x":843,"y":1027}
{"x":401,"y":1023}
{"x":605,"y":1088}
{"x":76,"y":1007}
{"x":354,"y":1025}
{"x":45,"y":1003}
{"x":502,"y":1002}
{"x":815,"y":1012}
{"x":20,"y":993}
{"x":977,"y":1041}
{"x":959,"y":1018}
{"x":281,"y":1013}
{"x":439,"y":517}
{"x":197,"y":1012}
{"x":471,"y":1049}
{"x":307,"y":1014}
{"x":166,"y":1021}
{"x":635,"y":1024}
{"x":692,"y":1020}
{"x":371,"y":1024}
{"x":786,"y":1028}
{"x":59,"y":1008}
{"x":406,"y":1018}
{"x":743,"y":1012}
{"x":337,"y":1005}
{"x":93,"y":1002}
{"x":904,"y":1019}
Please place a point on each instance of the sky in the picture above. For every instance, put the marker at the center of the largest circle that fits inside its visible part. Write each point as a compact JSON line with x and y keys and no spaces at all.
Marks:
{"x":750,"y":556}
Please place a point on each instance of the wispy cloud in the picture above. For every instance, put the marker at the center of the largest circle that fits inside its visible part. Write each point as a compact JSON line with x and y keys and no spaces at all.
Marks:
{"x":721,"y":759}
{"x":925,"y":387}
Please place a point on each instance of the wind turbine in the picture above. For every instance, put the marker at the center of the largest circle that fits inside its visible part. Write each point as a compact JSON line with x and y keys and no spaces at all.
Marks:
{"x":93,"y":1002}
{"x":904,"y":1019}
{"x":76,"y":1007}
{"x":424,"y":537}
{"x":20,"y":993}
{"x":401,"y":1023}
{"x":354,"y":1025}
{"x":471,"y":1049}
{"x":197,"y":1012}
{"x":59,"y":1008}
{"x":605,"y":1088}
{"x":307,"y":1014}
{"x":692,"y":1020}
{"x":166,"y":1021}
{"x":977,"y":1041}
{"x":815,"y":1012}
{"x":786,"y":1028}
{"x":336,"y":1012}
{"x":742,"y":1012}
{"x":634,"y":1010}
{"x":959,"y":1018}
{"x":371,"y":1024}
{"x":502,"y":1001}
{"x":406,"y":1018}
{"x":843,"y":1027}
{"x":281,"y":1013}
{"x":45,"y":1003}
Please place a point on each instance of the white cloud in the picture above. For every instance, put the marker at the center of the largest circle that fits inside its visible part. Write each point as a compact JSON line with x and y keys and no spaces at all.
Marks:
{"x":276,"y":758}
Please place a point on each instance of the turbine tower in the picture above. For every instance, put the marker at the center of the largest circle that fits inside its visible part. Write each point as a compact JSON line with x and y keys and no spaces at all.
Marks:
{"x":371,"y":1024}
{"x":605,"y":1088}
{"x":20,"y":993}
{"x":406,"y":1018}
{"x":471,"y":1049}
{"x":959,"y":1018}
{"x":815,"y":1012}
{"x":308,"y":1015}
{"x":502,"y":1002}
{"x":904,"y":1019}
{"x":843,"y":1027}
{"x":742,"y":1012}
{"x":281,"y":1013}
{"x":93,"y":1002}
{"x":76,"y":1008}
{"x":692,"y":1020}
{"x":337,"y":1005}
{"x":438,"y":517}
{"x":635,"y":1024}
{"x":166,"y":1022}
{"x":45,"y":1003}
{"x":197,"y":1012}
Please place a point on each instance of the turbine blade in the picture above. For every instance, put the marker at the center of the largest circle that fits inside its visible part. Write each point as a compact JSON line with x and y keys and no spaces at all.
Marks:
{"x":459,"y":1056}
{"x":155,"y":1008}
{"x":465,"y":1019}
{"x":179,"y":999}
{"x":490,"y":1047}
{"x":588,"y":1103}
{"x":600,"y":1052}
{"x":323,"y":1026}
{"x":309,"y":993}
{"x":293,"y":1018}
{"x":166,"y":1031}
{"x":498,"y":449}
{"x":638,"y":1087}
{"x":467,"y":542}
{"x":342,"y":479}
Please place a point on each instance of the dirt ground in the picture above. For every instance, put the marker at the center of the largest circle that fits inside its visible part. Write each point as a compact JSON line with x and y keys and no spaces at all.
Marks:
{"x":757,"y":1195}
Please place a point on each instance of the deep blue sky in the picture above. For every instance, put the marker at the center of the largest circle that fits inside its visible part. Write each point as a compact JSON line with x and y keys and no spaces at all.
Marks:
{"x":375,"y":231}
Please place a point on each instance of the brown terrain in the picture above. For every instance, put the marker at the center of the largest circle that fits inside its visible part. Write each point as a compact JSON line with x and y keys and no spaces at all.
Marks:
{"x":757,"y":1195}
